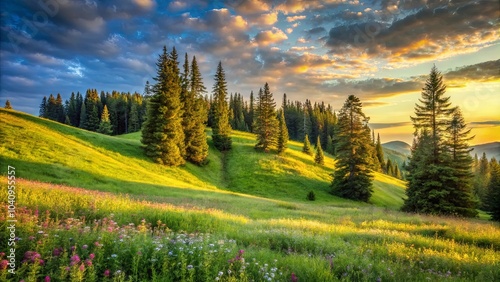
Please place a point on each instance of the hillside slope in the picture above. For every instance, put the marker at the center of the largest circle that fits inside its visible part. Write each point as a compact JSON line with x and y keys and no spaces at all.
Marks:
{"x":47,"y":151}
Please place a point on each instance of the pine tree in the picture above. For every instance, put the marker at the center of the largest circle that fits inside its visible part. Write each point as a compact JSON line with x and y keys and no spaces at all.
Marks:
{"x":60,"y":114}
{"x":461,"y":162}
{"x":221,"y":129}
{"x":249,"y":118}
{"x":380,"y":152}
{"x":492,"y":199}
{"x":7,"y":105}
{"x":352,"y":177}
{"x":105,"y":124}
{"x":432,"y":176}
{"x":307,"y":146}
{"x":389,"y":168}
{"x":83,"y":117}
{"x":162,"y":134}
{"x":196,"y":113}
{"x":43,"y":108}
{"x":266,"y":124}
{"x":282,"y":133}
{"x":397,"y":171}
{"x":319,"y":158}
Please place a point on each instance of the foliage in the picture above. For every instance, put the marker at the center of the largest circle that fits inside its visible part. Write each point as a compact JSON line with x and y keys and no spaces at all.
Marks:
{"x":266,"y":124}
{"x":352,"y":177}
{"x":105,"y":125}
{"x":162,"y":134}
{"x":492,"y":199}
{"x":438,"y":172}
{"x":311,"y":196}
{"x":282,"y":133}
{"x":221,"y":129}
{"x":307,"y":146}
{"x":195,"y":113}
{"x":319,"y":157}
{"x":8,"y":106}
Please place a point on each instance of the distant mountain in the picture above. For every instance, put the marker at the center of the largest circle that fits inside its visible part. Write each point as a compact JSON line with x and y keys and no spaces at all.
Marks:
{"x":398,"y":146}
{"x":491,"y":150}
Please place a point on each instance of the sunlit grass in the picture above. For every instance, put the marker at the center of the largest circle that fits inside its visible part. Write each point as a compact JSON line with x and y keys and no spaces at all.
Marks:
{"x":259,"y":201}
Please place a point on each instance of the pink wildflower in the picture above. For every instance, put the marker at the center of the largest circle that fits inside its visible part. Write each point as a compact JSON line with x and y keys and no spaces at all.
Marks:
{"x":47,"y":279}
{"x":82,"y":267}
{"x":91,"y":256}
{"x":106,"y":273}
{"x":3,"y":264}
{"x":294,"y":278}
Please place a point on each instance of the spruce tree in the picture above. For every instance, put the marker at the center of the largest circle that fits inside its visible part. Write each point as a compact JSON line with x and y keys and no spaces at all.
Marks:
{"x":60,"y":114}
{"x":492,"y":199}
{"x":43,"y":108}
{"x":319,"y":158}
{"x":380,"y":152}
{"x":249,"y":118}
{"x":83,"y":117}
{"x":162,"y":132}
{"x":307,"y":146}
{"x":196,"y":111}
{"x":389,"y":168}
{"x":266,"y":124}
{"x":352,"y":176}
{"x":461,"y":162}
{"x":282,"y":133}
{"x":221,"y":129}
{"x":105,"y":124}
{"x":7,"y":105}
{"x":432,"y":176}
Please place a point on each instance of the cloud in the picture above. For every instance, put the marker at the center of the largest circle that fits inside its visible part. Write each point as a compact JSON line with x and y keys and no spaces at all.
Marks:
{"x":267,"y":37}
{"x":428,"y":34}
{"x":388,"y":125}
{"x":250,"y":7}
{"x":145,"y":4}
{"x":489,"y":123}
{"x":295,"y":18}
{"x":482,"y":72}
{"x":302,"y":49}
{"x":264,"y":19}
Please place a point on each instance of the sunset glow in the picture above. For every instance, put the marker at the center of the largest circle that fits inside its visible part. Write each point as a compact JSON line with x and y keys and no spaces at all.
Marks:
{"x":380,"y":51}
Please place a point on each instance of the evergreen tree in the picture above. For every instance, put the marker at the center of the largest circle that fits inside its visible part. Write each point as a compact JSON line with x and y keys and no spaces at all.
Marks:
{"x":282,"y":133}
{"x":266,"y":124}
{"x":319,"y":158}
{"x":380,"y":152}
{"x":307,"y":146}
{"x":105,"y":124}
{"x":389,"y":168}
{"x":432,"y":176}
{"x":43,"y":108}
{"x":162,"y":133}
{"x":461,"y":161}
{"x":60,"y":115}
{"x":83,"y":116}
{"x":397,"y":171}
{"x":329,"y":145}
{"x":221,"y":129}
{"x":67,"y":121}
{"x":7,"y":105}
{"x":196,"y":112}
{"x":492,"y":199}
{"x":249,"y":118}
{"x":352,"y":177}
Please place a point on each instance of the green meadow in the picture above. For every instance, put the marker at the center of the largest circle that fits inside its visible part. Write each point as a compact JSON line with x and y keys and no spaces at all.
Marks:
{"x":242,"y":217}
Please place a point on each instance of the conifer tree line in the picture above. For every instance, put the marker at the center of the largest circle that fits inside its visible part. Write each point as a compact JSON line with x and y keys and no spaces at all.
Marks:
{"x":439,"y":169}
{"x":126,"y":112}
{"x":486,"y":184}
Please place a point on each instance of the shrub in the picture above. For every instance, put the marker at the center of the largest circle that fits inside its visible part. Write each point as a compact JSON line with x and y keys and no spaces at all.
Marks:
{"x":311,"y":196}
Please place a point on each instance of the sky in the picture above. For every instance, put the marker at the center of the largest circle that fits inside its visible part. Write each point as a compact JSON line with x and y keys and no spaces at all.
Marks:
{"x":381,"y":51}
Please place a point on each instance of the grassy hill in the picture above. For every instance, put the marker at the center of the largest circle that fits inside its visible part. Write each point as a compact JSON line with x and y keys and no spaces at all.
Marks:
{"x":47,"y":151}
{"x":77,"y":188}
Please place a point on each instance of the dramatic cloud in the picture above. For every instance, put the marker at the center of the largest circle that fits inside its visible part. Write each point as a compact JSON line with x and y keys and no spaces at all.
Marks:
{"x":267,"y":37}
{"x":430,"y":33}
